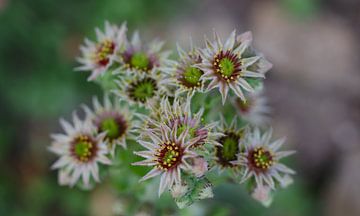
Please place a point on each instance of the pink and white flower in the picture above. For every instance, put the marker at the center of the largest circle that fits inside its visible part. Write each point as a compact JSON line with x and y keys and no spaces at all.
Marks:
{"x":167,"y":153}
{"x":80,"y":152}
{"x":137,"y":57}
{"x":117,"y":121}
{"x":183,"y":73}
{"x":228,"y":65}
{"x":261,"y":160}
{"x":99,"y":56}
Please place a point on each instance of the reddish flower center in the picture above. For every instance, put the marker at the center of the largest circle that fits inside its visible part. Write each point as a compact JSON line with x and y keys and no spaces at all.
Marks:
{"x":103,"y":51}
{"x":168,"y":155}
{"x":260,"y":159}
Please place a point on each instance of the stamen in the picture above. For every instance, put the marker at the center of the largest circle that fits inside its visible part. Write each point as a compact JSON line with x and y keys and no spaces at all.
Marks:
{"x":227,"y":65}
{"x":83,"y":148}
{"x":168,"y":156}
{"x":103,"y":51}
{"x":260,"y":159}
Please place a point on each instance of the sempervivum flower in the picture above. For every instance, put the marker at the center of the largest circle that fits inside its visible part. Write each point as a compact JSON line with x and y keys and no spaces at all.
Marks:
{"x":226,"y":66}
{"x":99,"y":56}
{"x":230,"y":145}
{"x":113,"y":119}
{"x":179,"y":113}
{"x":141,"y":89}
{"x":80,"y":152}
{"x":137,"y":57}
{"x":254,"y":110}
{"x":167,"y":153}
{"x":184,"y":75}
{"x":261,"y":160}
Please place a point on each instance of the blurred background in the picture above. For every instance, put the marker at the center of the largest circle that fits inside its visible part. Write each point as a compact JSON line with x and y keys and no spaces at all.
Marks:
{"x":314,"y":91}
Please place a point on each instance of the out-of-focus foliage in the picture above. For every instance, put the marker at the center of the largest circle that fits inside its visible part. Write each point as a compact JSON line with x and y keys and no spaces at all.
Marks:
{"x":39,"y":40}
{"x":301,"y":8}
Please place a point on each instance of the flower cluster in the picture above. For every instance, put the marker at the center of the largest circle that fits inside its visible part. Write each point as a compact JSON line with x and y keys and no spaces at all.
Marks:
{"x":165,"y":111}
{"x":91,"y":141}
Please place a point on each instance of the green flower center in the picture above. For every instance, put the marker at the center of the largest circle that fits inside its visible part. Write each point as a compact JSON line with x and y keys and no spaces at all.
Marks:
{"x":112,"y":128}
{"x":140,"y":60}
{"x":192,"y":75}
{"x":262,"y":158}
{"x":230,"y":149}
{"x":169,"y":155}
{"x":141,"y":90}
{"x":83,"y":148}
{"x":226,"y":66}
{"x":182,"y":128}
{"x":227,"y":152}
{"x":144,"y":91}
